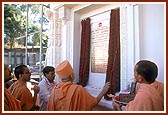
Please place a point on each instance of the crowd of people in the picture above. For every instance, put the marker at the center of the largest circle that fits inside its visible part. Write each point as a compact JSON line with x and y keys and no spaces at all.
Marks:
{"x":65,"y":95}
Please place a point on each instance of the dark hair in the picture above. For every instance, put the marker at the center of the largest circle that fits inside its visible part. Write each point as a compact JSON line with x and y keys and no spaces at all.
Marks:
{"x":148,"y":70}
{"x":19,"y":70}
{"x":48,"y":69}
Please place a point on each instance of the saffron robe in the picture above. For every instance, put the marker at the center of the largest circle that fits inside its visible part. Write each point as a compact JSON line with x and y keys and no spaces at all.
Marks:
{"x":66,"y":96}
{"x":10,"y":103}
{"x":159,"y":87}
{"x":147,"y":98}
{"x":21,"y":92}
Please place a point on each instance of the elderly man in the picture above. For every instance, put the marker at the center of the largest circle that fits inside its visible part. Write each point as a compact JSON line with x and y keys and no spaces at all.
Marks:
{"x":67,"y":96}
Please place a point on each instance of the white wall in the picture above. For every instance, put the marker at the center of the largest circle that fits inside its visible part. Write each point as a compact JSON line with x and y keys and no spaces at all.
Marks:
{"x":152,"y":35}
{"x":97,"y":80}
{"x":151,"y":40}
{"x":76,"y":46}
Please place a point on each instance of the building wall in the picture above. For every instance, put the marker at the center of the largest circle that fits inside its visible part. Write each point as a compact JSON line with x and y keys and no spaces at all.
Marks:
{"x":147,"y":37}
{"x":152,"y":36}
{"x":16,"y":56}
{"x":92,"y":11}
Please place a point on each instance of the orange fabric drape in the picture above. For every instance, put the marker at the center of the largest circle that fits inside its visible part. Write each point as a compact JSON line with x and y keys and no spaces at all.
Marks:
{"x":66,"y":96}
{"x":20,"y":91}
{"x":147,"y":98}
{"x":10,"y":103}
{"x":113,"y":66}
{"x":85,"y":52}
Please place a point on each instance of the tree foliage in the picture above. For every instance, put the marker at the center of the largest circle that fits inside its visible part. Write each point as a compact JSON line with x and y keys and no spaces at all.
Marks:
{"x":15,"y":25}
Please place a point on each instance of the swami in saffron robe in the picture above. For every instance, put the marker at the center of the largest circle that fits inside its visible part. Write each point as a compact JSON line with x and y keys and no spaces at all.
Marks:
{"x":147,"y":98}
{"x":66,"y":96}
{"x":21,"y":92}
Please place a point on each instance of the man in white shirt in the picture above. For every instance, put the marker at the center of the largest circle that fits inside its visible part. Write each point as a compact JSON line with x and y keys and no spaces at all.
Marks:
{"x":46,"y":85}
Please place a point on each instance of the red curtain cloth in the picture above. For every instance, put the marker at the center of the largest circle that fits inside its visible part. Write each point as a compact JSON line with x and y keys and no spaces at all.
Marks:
{"x":85,"y":52}
{"x":113,"y":66}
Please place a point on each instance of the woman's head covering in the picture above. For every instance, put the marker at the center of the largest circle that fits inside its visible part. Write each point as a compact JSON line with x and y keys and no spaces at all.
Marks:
{"x":64,"y":69}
